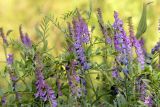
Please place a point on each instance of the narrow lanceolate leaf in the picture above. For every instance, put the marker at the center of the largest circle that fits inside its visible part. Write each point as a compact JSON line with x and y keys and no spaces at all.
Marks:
{"x":143,"y":22}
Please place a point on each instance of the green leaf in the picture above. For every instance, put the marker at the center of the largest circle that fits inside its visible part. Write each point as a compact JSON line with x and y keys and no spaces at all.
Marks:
{"x":142,"y":26}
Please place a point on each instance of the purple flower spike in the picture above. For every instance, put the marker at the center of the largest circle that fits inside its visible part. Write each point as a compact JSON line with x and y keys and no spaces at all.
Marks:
{"x":43,"y":90}
{"x":10,"y":59}
{"x":24,"y":38}
{"x":122,"y":43}
{"x":84,"y":32}
{"x":140,"y":53}
{"x":40,"y":84}
{"x":74,"y":79}
{"x":26,"y":41}
{"x":81,"y":36}
{"x":137,"y":44}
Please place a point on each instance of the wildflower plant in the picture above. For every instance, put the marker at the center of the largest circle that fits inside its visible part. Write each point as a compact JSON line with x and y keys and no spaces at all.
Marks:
{"x":125,"y":74}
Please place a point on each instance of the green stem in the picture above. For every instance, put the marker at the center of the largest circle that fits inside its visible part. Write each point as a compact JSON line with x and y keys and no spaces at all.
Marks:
{"x":93,"y":86}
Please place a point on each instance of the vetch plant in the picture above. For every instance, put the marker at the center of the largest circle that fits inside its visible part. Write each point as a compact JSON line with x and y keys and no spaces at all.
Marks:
{"x":113,"y":70}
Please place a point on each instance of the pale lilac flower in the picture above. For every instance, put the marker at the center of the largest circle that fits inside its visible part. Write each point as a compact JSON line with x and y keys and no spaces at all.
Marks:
{"x":80,"y":37}
{"x":148,"y":101}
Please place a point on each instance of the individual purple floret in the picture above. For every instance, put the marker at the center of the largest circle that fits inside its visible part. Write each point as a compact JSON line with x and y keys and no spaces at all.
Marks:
{"x":148,"y":101}
{"x":24,"y":38}
{"x":10,"y":59}
{"x":80,"y":36}
{"x":115,"y":73}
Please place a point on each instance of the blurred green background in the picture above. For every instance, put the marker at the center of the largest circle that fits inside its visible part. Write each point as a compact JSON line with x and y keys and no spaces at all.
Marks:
{"x":29,"y":13}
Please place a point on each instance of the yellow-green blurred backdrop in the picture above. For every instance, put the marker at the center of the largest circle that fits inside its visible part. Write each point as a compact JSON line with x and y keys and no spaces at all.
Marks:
{"x":30,"y":12}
